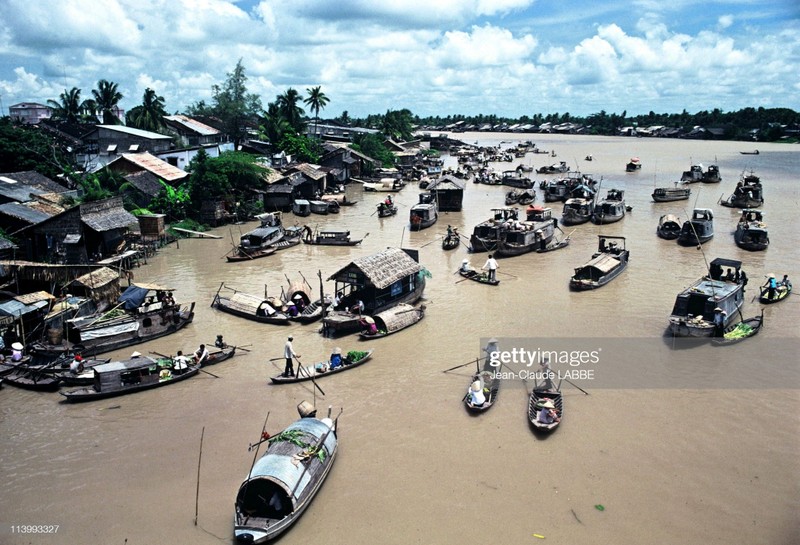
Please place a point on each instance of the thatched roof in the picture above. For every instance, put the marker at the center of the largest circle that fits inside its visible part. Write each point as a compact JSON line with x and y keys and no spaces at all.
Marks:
{"x":381,"y":269}
{"x":97,"y":278}
{"x":106,"y":215}
{"x":398,"y":317}
{"x":35,"y":297}
{"x":146,"y":182}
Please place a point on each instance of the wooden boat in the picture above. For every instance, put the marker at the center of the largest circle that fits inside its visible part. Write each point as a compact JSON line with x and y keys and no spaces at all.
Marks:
{"x":534,"y":233}
{"x":379,"y":282}
{"x":451,"y":241}
{"x":669,"y":227}
{"x":749,"y":193}
{"x":81,"y":378}
{"x":318,"y":207}
{"x":693,"y":311}
{"x":754,"y":152}
{"x":291,"y":237}
{"x":281,"y":484}
{"x":330,"y":238}
{"x":633,"y":165}
{"x":512,"y":197}
{"x":145,"y":312}
{"x":513,"y":178}
{"x":32,"y":380}
{"x":751,"y":231}
{"x":537,"y":398}
{"x":301,"y":207}
{"x":577,"y":210}
{"x":611,"y":209}
{"x":299,"y":294}
{"x":385,"y":211}
{"x":699,"y":229}
{"x":554,"y":245}
{"x":261,"y":238}
{"x":244,"y":255}
{"x":252,"y":307}
{"x":488,"y":381}
{"x":606,"y":264}
{"x":554,"y":168}
{"x":669,"y":194}
{"x":478,"y":276}
{"x":352,"y":359}
{"x":216,"y":356}
{"x":486,"y":235}
{"x":385,"y":185}
{"x":711,"y":175}
{"x":131,"y":375}
{"x":697,"y":174}
{"x":781,"y":293}
{"x":527,"y":196}
{"x":392,"y":320}
{"x":557,"y":191}
{"x":740,"y":331}
{"x":425,"y":213}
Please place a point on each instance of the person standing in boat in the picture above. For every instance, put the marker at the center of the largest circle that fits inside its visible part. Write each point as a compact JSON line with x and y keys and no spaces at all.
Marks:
{"x":719,"y":322}
{"x":288,"y":353}
{"x":771,"y":286}
{"x":491,"y":266}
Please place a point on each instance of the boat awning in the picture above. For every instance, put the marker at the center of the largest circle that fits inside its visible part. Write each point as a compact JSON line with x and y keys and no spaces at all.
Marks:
{"x":282,"y":470}
{"x":397,"y":317}
{"x":250,"y":303}
{"x":603,"y":263}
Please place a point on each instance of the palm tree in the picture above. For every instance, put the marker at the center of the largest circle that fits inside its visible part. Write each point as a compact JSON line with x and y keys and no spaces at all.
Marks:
{"x":291,"y":112}
{"x":316,"y":100}
{"x":273,"y":124}
{"x":70,"y":105}
{"x":107,"y":97}
{"x":149,"y":116}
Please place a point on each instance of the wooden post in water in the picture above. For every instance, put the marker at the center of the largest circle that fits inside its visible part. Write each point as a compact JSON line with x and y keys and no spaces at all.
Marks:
{"x":197,"y":492}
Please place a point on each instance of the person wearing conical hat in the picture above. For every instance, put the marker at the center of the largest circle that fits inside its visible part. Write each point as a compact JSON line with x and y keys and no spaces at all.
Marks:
{"x":771,"y":285}
{"x":336,"y":358}
{"x":547,"y":411}
{"x":17,"y":351}
{"x":719,"y":322}
{"x":465,"y":266}
{"x":475,"y":394}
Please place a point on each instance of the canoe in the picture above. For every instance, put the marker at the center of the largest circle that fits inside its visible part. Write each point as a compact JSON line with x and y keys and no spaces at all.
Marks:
{"x":249,"y":306}
{"x":489,"y":382}
{"x":740,"y":331}
{"x":249,"y":255}
{"x":309,"y":372}
{"x":781,"y":293}
{"x":33,"y":381}
{"x":451,"y":242}
{"x":215,"y":356}
{"x":537,"y":397}
{"x":476,"y":276}
{"x":281,"y":484}
{"x":393,"y":320}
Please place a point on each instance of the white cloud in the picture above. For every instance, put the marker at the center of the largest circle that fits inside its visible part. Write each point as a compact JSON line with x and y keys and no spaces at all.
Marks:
{"x":725,"y":21}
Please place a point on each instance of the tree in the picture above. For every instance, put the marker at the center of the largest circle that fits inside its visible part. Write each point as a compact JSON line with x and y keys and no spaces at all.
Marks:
{"x":28,"y":148}
{"x":69,"y":107}
{"x":289,"y":109}
{"x":397,"y":124}
{"x":234,"y":105}
{"x":107,"y":96}
{"x":273,"y":125}
{"x":149,"y":116}
{"x":344,"y":119}
{"x":372,"y":145}
{"x":316,"y":100}
{"x":301,"y":147}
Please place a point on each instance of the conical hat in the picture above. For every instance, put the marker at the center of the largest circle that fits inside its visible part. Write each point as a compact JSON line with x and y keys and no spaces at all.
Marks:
{"x":475,"y":386}
{"x":547,"y":404}
{"x":306,"y":409}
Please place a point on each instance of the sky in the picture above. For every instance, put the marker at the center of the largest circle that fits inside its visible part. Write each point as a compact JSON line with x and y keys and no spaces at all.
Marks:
{"x":434,"y":57}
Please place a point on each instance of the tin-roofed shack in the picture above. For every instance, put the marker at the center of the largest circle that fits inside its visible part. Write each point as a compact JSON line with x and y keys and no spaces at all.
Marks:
{"x":448,"y":192}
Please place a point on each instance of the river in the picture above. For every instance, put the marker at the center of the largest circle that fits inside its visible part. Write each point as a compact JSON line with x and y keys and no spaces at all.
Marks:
{"x":711,"y":460}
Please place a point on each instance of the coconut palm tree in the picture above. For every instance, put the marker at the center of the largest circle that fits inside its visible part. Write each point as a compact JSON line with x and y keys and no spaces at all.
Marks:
{"x":316,"y":100}
{"x":107,"y":97}
{"x":69,"y":106}
{"x":291,"y":112}
{"x":149,"y":116}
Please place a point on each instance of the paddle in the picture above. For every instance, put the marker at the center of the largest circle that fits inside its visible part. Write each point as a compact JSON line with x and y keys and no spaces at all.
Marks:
{"x":470,"y":362}
{"x":578,"y":387}
{"x":301,"y":368}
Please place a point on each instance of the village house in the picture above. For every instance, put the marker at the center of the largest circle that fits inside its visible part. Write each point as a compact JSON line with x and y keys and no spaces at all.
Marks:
{"x":190,"y":132}
{"x":30,"y":113}
{"x":104,"y":143}
{"x":129,"y":163}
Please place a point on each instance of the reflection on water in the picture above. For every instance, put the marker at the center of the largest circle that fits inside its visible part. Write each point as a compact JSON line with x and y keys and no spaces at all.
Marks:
{"x":413,"y":463}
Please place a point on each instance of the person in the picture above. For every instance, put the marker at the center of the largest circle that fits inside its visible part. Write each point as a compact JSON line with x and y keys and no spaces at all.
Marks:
{"x":288,"y":353}
{"x":368,"y":325}
{"x":465,"y":266}
{"x":200,"y":355}
{"x":785,"y":281}
{"x":292,"y":309}
{"x":771,"y":286}
{"x":16,"y":351}
{"x":77,"y":364}
{"x":491,"y":266}
{"x":729,"y":275}
{"x":743,"y":278}
{"x":336,"y":358}
{"x":547,"y":412}
{"x":306,"y":410}
{"x":180,"y":363}
{"x":547,"y":374}
{"x":337,"y":300}
{"x":542,"y":240}
{"x":475,"y":393}
{"x":219,"y":343}
{"x":449,"y":231}
{"x":719,"y":322}
{"x":358,"y":308}
{"x":299,"y":303}
{"x":388,"y":202}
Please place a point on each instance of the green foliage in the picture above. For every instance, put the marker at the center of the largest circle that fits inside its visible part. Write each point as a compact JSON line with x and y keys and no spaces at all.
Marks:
{"x":190,"y":224}
{"x":106,"y":98}
{"x":27,"y":148}
{"x":171,"y":201}
{"x":234,"y":105}
{"x":290,"y":110}
{"x":396,"y":124}
{"x":149,"y":116}
{"x":70,"y":108}
{"x":301,"y":148}
{"x":92,"y":189}
{"x":372,"y":145}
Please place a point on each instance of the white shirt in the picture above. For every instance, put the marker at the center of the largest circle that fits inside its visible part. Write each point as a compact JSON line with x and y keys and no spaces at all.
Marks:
{"x":491,"y":264}
{"x":288,"y":351}
{"x":180,"y":362}
{"x":477,"y":398}
{"x":201,"y":356}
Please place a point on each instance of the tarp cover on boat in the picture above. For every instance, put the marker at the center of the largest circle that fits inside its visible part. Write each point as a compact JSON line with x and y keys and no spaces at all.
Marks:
{"x":281,"y":470}
{"x":110,"y":331}
{"x":133,"y":297}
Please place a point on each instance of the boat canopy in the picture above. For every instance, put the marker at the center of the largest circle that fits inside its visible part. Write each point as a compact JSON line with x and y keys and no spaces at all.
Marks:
{"x":276,"y":482}
{"x":396,"y":318}
{"x":603,"y":263}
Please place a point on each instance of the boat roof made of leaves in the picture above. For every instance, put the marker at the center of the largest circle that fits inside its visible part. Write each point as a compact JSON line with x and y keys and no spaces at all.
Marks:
{"x":382,"y":269}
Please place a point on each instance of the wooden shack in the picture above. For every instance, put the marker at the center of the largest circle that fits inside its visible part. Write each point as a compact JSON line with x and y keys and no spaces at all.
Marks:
{"x":448,"y":192}
{"x":153,"y":227}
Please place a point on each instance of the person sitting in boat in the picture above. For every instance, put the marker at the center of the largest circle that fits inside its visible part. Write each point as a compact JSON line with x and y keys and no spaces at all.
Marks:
{"x":368,"y":325}
{"x":785,"y":282}
{"x":337,"y":300}
{"x":388,"y":202}
{"x":336,"y":358}
{"x":77,"y":364}
{"x":772,"y":286}
{"x":17,"y":351}
{"x":547,"y":411}
{"x":200,"y":355}
{"x":476,"y":395}
{"x":719,"y":322}
{"x":299,"y":303}
{"x":729,"y":275}
{"x":220,"y":343}
{"x":291,"y":309}
{"x":180,"y":363}
{"x":465,"y":266}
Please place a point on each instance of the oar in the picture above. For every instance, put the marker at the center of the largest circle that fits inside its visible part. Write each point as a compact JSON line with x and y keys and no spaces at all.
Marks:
{"x":578,"y":387}
{"x":314,"y":382}
{"x":470,"y":362}
{"x":507,"y":274}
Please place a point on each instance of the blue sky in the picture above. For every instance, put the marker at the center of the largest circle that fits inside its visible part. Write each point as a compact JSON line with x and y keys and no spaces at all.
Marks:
{"x":502,"y":57}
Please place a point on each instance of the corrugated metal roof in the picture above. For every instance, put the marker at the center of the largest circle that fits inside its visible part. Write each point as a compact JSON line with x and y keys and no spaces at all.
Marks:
{"x":135,"y":132}
{"x":193,"y":125}
{"x":153,"y":164}
{"x":22,"y":212}
{"x":18,"y":192}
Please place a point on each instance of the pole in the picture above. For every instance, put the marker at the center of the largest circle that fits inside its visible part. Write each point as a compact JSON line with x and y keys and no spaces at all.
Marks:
{"x":197,"y":492}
